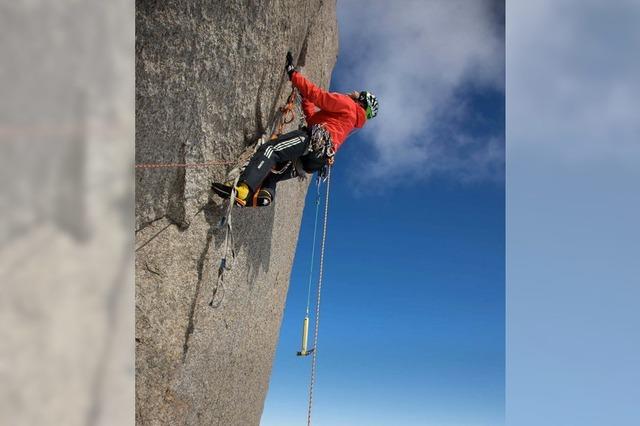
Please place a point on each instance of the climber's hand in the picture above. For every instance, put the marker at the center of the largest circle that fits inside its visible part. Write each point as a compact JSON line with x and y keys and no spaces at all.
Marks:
{"x":289,"y":67}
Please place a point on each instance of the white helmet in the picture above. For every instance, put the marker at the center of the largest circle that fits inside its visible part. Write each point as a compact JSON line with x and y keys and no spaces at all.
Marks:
{"x":370,"y":103}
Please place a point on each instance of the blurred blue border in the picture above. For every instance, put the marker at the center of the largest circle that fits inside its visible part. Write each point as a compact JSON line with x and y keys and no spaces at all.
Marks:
{"x":573,"y":207}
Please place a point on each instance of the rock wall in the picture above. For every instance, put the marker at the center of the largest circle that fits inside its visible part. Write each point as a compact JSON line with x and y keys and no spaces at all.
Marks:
{"x":209,"y":79}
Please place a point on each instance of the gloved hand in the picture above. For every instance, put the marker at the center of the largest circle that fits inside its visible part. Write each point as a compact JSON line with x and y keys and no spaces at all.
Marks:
{"x":289,"y":67}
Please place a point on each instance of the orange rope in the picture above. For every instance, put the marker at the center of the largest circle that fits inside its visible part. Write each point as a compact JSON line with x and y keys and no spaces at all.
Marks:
{"x":181,"y":165}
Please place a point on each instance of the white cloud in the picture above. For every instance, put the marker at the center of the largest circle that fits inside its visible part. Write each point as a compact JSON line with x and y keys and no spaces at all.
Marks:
{"x":415,"y":56}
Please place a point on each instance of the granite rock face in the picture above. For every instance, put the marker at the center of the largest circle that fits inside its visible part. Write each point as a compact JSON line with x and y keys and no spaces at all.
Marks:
{"x":209,"y":80}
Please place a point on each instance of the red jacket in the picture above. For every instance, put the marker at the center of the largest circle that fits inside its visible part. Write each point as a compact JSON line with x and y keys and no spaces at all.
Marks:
{"x":339,"y":113}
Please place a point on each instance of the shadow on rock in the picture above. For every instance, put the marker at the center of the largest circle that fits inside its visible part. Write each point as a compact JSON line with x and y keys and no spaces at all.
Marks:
{"x":252,"y":233}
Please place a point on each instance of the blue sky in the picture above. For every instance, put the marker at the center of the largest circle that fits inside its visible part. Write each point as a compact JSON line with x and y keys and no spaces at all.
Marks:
{"x":412,"y":322}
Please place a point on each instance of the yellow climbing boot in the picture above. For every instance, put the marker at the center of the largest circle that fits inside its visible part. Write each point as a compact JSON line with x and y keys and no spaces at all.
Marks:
{"x":242,"y":191}
{"x":224,"y":191}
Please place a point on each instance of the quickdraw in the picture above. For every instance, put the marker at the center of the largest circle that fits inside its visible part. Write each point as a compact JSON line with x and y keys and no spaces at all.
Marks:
{"x":287,"y":113}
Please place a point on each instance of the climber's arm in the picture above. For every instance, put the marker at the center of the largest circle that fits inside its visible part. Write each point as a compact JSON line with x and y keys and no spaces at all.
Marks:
{"x":308,"y":108}
{"x":333,"y":102}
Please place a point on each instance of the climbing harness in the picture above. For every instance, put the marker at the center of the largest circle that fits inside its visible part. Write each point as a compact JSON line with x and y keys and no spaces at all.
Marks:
{"x":322,"y":146}
{"x":305,"y":328}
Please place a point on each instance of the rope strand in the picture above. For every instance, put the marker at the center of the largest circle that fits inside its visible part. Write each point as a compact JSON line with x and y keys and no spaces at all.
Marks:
{"x":313,"y":247}
{"x":317,"y":325}
{"x":181,"y":165}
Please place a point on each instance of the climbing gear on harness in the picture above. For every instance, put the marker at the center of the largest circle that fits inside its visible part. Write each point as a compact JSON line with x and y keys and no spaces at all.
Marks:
{"x":370,"y":103}
{"x":322,"y":147}
{"x":321,"y":143}
{"x":282,"y":169}
{"x":317,"y":314}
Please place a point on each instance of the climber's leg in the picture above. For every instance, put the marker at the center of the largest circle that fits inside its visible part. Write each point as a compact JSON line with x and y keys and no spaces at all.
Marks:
{"x":278,"y":152}
{"x":267,"y":192}
{"x":285,"y":148}
{"x":311,"y":162}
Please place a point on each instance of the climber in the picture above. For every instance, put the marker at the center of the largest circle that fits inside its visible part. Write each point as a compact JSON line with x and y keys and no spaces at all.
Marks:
{"x":330,"y":118}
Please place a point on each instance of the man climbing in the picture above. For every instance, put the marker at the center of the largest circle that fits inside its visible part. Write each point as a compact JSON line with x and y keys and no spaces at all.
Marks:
{"x":330,"y":118}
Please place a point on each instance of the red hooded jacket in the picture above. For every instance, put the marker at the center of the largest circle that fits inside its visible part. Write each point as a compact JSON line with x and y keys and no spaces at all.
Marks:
{"x":339,"y":113}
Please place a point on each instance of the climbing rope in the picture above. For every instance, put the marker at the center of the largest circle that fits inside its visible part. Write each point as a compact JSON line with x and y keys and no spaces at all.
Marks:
{"x":228,"y":249}
{"x":313,"y":247}
{"x":181,"y":165}
{"x":317,"y":324}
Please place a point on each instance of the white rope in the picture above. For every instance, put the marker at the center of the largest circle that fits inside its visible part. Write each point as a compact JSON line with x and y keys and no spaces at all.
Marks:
{"x":317,"y":325}
{"x":228,"y":248}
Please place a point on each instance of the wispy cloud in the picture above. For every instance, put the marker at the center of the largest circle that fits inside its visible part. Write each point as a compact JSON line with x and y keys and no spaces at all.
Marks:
{"x":422,"y":59}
